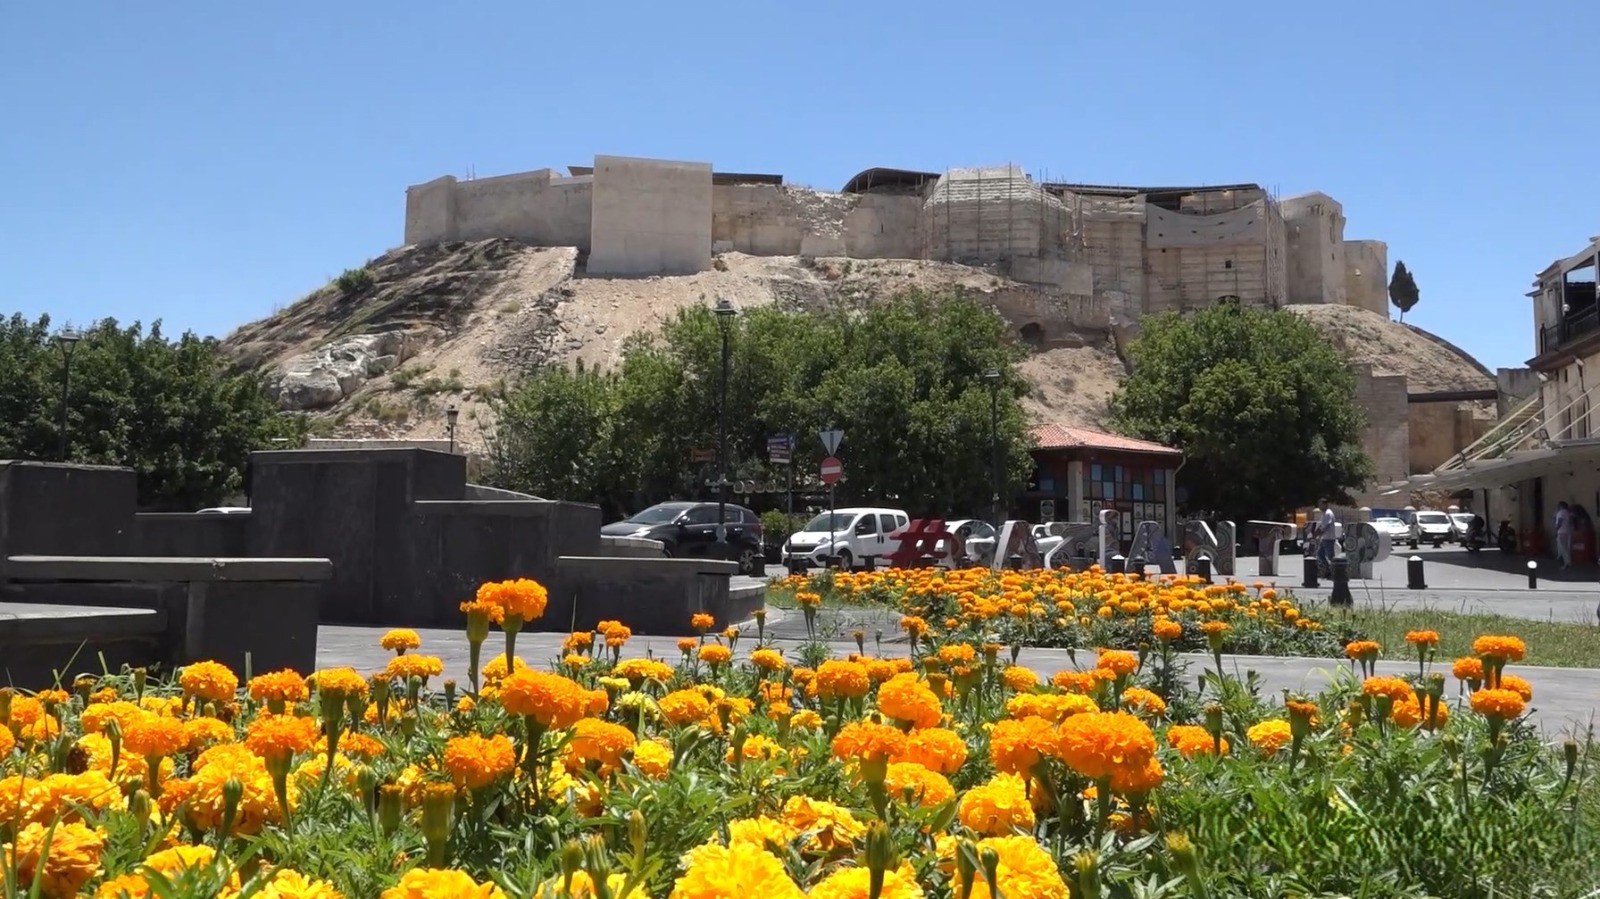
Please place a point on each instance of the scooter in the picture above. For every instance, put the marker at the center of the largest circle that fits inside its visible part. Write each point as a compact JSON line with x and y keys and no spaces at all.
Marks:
{"x":1507,"y":537}
{"x":1477,"y":535}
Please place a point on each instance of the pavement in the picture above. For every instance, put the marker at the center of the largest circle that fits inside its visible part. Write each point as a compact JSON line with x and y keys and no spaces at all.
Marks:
{"x":1566,"y":700}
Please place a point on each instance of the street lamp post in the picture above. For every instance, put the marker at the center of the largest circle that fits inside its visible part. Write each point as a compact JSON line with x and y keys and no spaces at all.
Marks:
{"x":992,"y":376}
{"x":450,"y":415}
{"x":725,"y":312}
{"x":66,"y":341}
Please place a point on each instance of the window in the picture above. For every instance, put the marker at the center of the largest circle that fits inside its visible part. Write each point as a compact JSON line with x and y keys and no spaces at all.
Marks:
{"x":704,"y":515}
{"x":1138,"y":492}
{"x":886,"y":523}
{"x":867,"y":525}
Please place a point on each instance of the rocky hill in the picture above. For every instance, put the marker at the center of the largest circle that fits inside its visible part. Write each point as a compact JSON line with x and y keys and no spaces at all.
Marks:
{"x":383,"y":351}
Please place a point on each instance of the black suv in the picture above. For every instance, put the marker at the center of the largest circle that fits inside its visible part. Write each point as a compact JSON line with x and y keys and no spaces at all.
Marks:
{"x":689,"y":530}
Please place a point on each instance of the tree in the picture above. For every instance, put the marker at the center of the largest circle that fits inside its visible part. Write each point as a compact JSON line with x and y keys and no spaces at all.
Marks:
{"x":170,"y":410}
{"x":1261,"y":405}
{"x":903,"y":378}
{"x":1403,"y":290}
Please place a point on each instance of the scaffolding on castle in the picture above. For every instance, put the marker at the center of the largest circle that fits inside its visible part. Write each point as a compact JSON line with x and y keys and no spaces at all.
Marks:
{"x":992,"y":217}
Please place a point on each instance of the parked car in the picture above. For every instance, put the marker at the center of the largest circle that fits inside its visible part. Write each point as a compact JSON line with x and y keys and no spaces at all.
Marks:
{"x":856,"y":534}
{"x":689,"y":530}
{"x":1430,"y":527}
{"x":1398,"y":531}
{"x":1460,"y":523}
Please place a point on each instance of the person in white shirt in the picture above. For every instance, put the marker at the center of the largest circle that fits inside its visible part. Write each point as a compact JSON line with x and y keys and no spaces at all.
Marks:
{"x":1327,"y":535}
{"x":1564,"y":534}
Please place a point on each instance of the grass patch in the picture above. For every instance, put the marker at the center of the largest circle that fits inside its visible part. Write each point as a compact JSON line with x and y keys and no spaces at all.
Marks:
{"x":1553,"y":644}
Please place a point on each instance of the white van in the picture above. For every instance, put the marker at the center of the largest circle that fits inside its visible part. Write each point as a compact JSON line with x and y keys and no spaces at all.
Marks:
{"x":858,"y":534}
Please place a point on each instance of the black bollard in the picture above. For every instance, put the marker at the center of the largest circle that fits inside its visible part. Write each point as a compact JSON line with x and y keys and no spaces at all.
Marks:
{"x":1414,"y":579}
{"x":1533,"y":575}
{"x":1202,"y":567}
{"x":1341,"y":584}
{"x":1119,"y":565}
{"x":1015,"y":562}
{"x":1136,"y":566}
{"x":1310,"y":579}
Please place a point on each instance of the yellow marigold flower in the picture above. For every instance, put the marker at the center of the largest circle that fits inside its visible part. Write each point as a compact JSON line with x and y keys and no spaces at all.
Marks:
{"x":64,"y":795}
{"x":653,"y":759}
{"x":1098,"y":744}
{"x":155,"y":735}
{"x":906,"y":697}
{"x":1505,"y":705}
{"x":957,"y":654}
{"x":715,"y":654}
{"x":95,"y":717}
{"x":1422,"y":638}
{"x":495,"y":669}
{"x":284,"y":686}
{"x":72,"y":860}
{"x":1141,"y":700}
{"x":476,"y":761}
{"x":278,"y":738}
{"x":287,"y":884}
{"x":404,"y":668}
{"x":997,"y":808}
{"x":582,"y":886}
{"x":437,"y":883}
{"x":1191,"y":740}
{"x":211,"y":681}
{"x":702,"y":622}
{"x":1270,"y":736}
{"x":1019,"y":679}
{"x":831,"y":827}
{"x":855,"y":882}
{"x":842,"y":680}
{"x":743,"y":869}
{"x":917,"y":785}
{"x":767,"y":659}
{"x":523,"y":597}
{"x":1026,"y":871}
{"x":599,"y":742}
{"x":1467,"y":668}
{"x":8,"y":741}
{"x":935,"y":748}
{"x":1395,"y":688}
{"x":400,"y":640}
{"x":639,"y":670}
{"x":806,"y":719}
{"x":868,"y":741}
{"x":1017,"y":745}
{"x":343,"y":682}
{"x":762,"y":832}
{"x":685,"y":707}
{"x":1053,"y":707}
{"x":550,"y":699}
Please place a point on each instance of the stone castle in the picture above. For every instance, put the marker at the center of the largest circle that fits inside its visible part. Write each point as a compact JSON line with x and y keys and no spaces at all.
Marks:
{"x":1130,"y":250}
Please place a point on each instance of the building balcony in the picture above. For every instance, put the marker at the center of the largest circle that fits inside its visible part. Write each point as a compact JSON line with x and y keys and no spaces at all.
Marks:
{"x":1579,"y":327}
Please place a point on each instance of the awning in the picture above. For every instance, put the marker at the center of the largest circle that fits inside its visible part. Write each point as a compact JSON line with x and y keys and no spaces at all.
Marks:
{"x":1564,"y":458}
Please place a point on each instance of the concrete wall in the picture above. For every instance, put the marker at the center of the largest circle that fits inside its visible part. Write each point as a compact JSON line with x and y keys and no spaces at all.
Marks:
{"x":1366,"y":275}
{"x":431,"y":211}
{"x":1516,"y":386}
{"x":1387,"y":436}
{"x":650,"y":217}
{"x":1441,"y":430}
{"x":1314,"y":248}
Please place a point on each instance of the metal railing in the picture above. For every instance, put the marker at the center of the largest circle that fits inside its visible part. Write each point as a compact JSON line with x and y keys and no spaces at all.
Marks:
{"x":1569,"y":328}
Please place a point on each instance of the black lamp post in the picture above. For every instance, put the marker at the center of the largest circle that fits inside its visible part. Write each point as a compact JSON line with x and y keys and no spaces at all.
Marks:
{"x":66,"y":341}
{"x":992,"y":376}
{"x":450,"y":416}
{"x":725,"y":312}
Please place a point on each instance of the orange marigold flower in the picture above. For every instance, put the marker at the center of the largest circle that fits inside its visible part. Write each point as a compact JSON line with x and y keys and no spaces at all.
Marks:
{"x":400,"y":639}
{"x":998,"y":808}
{"x":550,"y":699}
{"x":1016,"y":745}
{"x":342,"y":682}
{"x":475,"y":761}
{"x":1422,"y":638}
{"x":206,"y":732}
{"x":1098,"y":744}
{"x":578,"y":641}
{"x":277,"y":738}
{"x":1141,"y":700}
{"x":1166,"y":630}
{"x":868,"y":741}
{"x":715,"y":654}
{"x":1191,"y":740}
{"x":842,"y":680}
{"x":1363,"y":649}
{"x":684,"y":707}
{"x":906,"y":697}
{"x":1117,"y":661}
{"x":436,"y":883}
{"x":1129,"y":781}
{"x":1504,"y":648}
{"x":653,"y":758}
{"x":957,"y":654}
{"x":524,"y":598}
{"x":702,"y":622}
{"x":1506,"y":705}
{"x":357,"y":745}
{"x":211,"y":681}
{"x":639,"y":670}
{"x":935,"y":748}
{"x":1215,"y":628}
{"x":1075,"y":681}
{"x":1517,"y":684}
{"x":917,"y":785}
{"x":1270,"y":736}
{"x":1025,"y":871}
{"x":71,"y":860}
{"x":8,"y":741}
{"x":600,"y":742}
{"x":1395,"y":688}
{"x":767,"y":659}
{"x":1468,"y":668}
{"x":1413,"y":712}
{"x":404,"y":668}
{"x":1053,"y":707}
{"x":284,"y":686}
{"x":156,"y":735}
{"x":1019,"y":679}
{"x":914,"y":627}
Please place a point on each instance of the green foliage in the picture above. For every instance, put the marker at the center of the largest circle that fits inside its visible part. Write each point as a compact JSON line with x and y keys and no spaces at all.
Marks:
{"x":354,"y":280}
{"x":776,"y":526}
{"x":1403,"y":289}
{"x":1262,"y":406}
{"x":168,"y":409}
{"x":902,"y":379}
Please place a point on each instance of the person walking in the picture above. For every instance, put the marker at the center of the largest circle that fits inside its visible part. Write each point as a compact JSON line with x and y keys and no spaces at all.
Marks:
{"x":1327,"y":536}
{"x":1564,"y":525}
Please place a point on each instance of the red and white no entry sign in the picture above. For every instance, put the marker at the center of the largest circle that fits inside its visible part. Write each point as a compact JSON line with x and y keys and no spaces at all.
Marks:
{"x":831,"y":471}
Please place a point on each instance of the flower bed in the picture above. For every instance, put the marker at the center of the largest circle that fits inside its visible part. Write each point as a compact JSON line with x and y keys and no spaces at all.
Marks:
{"x":734,"y":770}
{"x":1081,"y":609}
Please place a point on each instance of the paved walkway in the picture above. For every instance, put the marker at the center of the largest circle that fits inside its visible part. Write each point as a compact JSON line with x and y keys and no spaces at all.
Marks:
{"x":1567,"y":700}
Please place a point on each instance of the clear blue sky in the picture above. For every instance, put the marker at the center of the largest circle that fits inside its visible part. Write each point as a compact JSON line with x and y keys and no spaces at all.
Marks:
{"x":204,"y":163}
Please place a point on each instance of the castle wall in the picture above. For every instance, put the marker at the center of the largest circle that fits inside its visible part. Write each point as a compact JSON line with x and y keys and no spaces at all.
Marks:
{"x":650,"y":217}
{"x":431,"y":211}
{"x":1441,"y":430}
{"x":538,"y":207}
{"x":1314,"y":249}
{"x":1387,"y":435}
{"x":1366,"y":275}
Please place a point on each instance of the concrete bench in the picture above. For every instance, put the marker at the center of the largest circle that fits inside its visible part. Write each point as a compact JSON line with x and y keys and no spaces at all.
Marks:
{"x":43,"y":645}
{"x":230,"y":610}
{"x":651,"y":596}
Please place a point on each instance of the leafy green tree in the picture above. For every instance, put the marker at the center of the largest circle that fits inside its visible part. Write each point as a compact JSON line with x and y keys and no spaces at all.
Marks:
{"x":903,"y":378}
{"x":168,"y":409}
{"x":1262,"y":406}
{"x":1403,"y":289}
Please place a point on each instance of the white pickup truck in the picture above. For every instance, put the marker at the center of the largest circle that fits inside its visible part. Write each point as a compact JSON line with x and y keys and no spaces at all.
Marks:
{"x":856,"y":535}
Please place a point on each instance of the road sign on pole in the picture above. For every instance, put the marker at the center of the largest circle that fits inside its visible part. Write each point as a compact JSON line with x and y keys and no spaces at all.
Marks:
{"x":831,"y":470}
{"x":831,"y":441}
{"x":779,"y":450}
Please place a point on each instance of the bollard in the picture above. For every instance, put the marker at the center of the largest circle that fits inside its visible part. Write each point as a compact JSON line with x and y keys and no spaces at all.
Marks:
{"x":1341,"y":584}
{"x":1119,"y":565}
{"x":1414,"y":579}
{"x":871,"y":563}
{"x":1015,"y":562}
{"x":1202,"y":568}
{"x":1533,"y":575}
{"x":1310,"y":579}
{"x":1136,"y":566}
